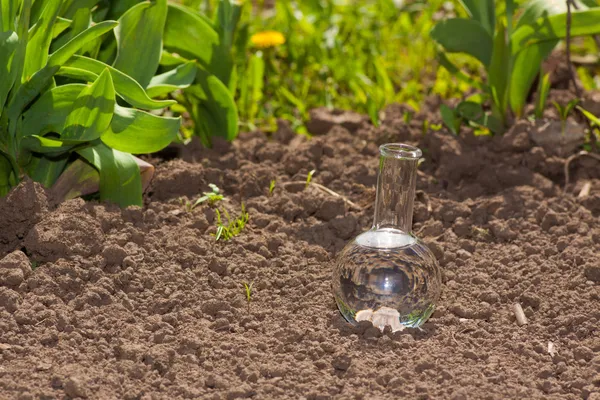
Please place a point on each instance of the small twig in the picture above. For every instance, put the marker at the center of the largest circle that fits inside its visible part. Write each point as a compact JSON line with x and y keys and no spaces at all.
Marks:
{"x":519,"y":314}
{"x":570,"y":160}
{"x":328,"y":191}
{"x":585,"y":190}
{"x":568,"y":41}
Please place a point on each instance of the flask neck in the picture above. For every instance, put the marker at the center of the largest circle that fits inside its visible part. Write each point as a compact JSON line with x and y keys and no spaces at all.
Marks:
{"x":396,"y":184}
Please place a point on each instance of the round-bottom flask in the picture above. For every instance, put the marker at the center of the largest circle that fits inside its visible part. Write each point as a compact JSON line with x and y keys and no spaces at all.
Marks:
{"x":386,"y":275}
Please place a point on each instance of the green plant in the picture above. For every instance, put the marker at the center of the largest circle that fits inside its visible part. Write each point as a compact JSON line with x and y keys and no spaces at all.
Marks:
{"x":564,"y":112}
{"x":212,"y":197}
{"x":200,"y":49}
{"x":511,"y":49}
{"x":542,"y":96}
{"x":309,"y":177}
{"x":234,"y":226}
{"x":272,"y":187}
{"x":248,"y":291}
{"x":467,"y":112}
{"x":69,"y":120}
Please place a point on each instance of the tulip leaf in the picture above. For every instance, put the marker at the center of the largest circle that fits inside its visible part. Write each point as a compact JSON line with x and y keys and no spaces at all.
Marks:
{"x":120,"y":180}
{"x":179,"y":78}
{"x":138,"y":132}
{"x":139,"y":40}
{"x":125,"y":86}
{"x":92,"y":112}
{"x":460,"y":35}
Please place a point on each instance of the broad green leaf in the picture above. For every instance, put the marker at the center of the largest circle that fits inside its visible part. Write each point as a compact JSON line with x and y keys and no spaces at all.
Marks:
{"x":526,"y":66}
{"x":92,"y":112}
{"x":214,"y":108}
{"x":470,"y":110}
{"x":449,"y":118}
{"x":6,"y":171}
{"x":29,"y":91}
{"x":50,"y":111}
{"x":120,"y":180}
{"x":459,"y":35}
{"x":18,"y":63}
{"x":81,"y":22}
{"x":184,"y":30}
{"x":535,"y":9}
{"x":120,"y":7}
{"x":60,"y":56}
{"x":40,"y":38}
{"x":139,"y":40}
{"x":138,"y":132}
{"x":71,"y":7}
{"x":43,"y":145}
{"x":482,"y":11}
{"x":9,"y":41}
{"x":125,"y":86}
{"x":179,"y":78}
{"x":498,"y":71}
{"x":8,"y":11}
{"x":551,"y":28}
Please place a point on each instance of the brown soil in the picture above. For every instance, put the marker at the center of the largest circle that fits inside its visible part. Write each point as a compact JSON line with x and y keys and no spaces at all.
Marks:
{"x":144,"y":304}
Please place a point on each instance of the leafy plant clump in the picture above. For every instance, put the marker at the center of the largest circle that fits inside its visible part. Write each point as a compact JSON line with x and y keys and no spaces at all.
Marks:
{"x":510,"y":48}
{"x":233,"y":227}
{"x":69,"y":120}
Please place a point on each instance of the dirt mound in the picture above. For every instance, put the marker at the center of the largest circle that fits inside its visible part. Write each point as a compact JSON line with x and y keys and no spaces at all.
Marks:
{"x":145,"y":304}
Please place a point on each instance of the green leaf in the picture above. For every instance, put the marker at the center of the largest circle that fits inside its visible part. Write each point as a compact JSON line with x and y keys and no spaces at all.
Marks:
{"x":40,"y":38}
{"x":184,"y":30}
{"x":482,"y":11}
{"x":459,"y":35}
{"x":542,"y":96}
{"x":120,"y":180}
{"x":138,"y":132}
{"x":6,"y":171}
{"x":593,"y":119}
{"x":139,"y":40}
{"x":551,"y":28}
{"x":125,"y":86}
{"x":92,"y":112}
{"x":470,"y":110}
{"x":9,"y":42}
{"x":179,"y":78}
{"x":43,"y":145}
{"x":450,"y":120}
{"x":81,"y":22}
{"x":49,"y":113}
{"x":214,"y":109}
{"x":526,"y":66}
{"x":60,"y":56}
{"x":498,"y":72}
{"x":251,"y":88}
{"x":77,"y":179}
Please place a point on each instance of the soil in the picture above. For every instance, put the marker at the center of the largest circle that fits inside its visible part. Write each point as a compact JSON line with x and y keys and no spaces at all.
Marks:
{"x":102,"y":303}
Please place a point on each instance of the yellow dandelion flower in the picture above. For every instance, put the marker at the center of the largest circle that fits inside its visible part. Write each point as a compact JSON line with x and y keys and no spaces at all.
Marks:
{"x":267,"y":39}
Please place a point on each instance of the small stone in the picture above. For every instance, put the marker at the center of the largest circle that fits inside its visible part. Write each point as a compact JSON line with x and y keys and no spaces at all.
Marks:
{"x":74,"y":388}
{"x":341,"y":362}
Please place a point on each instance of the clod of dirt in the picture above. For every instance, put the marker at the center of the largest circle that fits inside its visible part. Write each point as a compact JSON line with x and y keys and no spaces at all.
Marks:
{"x":19,"y":211}
{"x":517,"y":138}
{"x":14,"y":268}
{"x":592,"y":272}
{"x":68,"y":232}
{"x":554,"y":140}
{"x":322,"y":120}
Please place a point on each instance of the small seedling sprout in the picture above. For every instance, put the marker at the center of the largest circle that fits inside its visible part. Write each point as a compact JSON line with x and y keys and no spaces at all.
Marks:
{"x":233,"y":227}
{"x":272,"y":187}
{"x":212,"y":197}
{"x":248,"y":290}
{"x":564,"y":112}
{"x":309,"y":177}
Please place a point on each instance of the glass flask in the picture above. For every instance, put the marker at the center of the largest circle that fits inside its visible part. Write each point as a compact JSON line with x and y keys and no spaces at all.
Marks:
{"x":386,"y":275}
